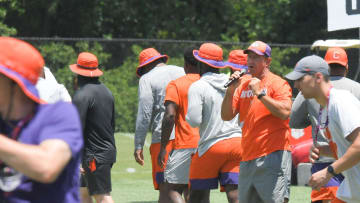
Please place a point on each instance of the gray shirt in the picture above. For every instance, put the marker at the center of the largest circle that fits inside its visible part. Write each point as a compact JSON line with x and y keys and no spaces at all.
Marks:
{"x":204,"y":110}
{"x":305,"y":112}
{"x":151,"y":93}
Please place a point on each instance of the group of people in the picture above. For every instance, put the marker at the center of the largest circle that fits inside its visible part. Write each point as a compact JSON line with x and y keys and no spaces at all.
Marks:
{"x":208,"y":128}
{"x":205,"y":134}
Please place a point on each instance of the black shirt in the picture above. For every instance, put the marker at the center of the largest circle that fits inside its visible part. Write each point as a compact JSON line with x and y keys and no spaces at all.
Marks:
{"x":95,"y":104}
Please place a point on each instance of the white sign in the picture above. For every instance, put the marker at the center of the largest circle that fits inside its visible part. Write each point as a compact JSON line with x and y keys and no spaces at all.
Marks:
{"x":343,"y":14}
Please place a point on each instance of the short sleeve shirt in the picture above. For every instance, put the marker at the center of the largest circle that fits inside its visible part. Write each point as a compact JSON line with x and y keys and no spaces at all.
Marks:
{"x":177,"y":92}
{"x":263,"y":133}
{"x":52,"y":121}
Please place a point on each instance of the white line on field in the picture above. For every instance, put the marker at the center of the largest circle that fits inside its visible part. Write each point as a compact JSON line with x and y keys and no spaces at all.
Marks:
{"x":131,"y":135}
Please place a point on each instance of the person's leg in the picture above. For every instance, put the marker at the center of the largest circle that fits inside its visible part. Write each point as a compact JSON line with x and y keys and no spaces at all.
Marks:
{"x":201,"y":196}
{"x":103,"y":198}
{"x":158,"y":172}
{"x":99,"y":183}
{"x":175,"y":192}
{"x":229,"y":172}
{"x":85,"y":196}
{"x":232,"y":193}
{"x":272,"y":177}
{"x":177,"y":173}
{"x":84,"y":192}
{"x":163,"y":193}
{"x":186,"y":194}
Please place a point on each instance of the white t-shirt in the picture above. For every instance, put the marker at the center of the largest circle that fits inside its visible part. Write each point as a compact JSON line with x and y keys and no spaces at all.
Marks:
{"x":344,"y":118}
{"x":50,"y":90}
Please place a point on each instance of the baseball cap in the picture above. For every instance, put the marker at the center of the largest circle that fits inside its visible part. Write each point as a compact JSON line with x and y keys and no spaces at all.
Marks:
{"x":210,"y":54}
{"x":22,"y":63}
{"x":87,"y":65}
{"x":308,"y":64}
{"x":336,"y":55}
{"x":260,"y":48}
{"x":147,"y":56}
{"x":237,"y":60}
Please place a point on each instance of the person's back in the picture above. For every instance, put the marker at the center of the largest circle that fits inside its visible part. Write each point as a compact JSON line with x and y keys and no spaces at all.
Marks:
{"x":98,"y":128}
{"x":154,"y":82}
{"x":211,"y":127}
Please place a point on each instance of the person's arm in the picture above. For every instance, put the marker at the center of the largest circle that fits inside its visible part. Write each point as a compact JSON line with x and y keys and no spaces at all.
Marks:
{"x":143,"y":118}
{"x":348,"y":160}
{"x":42,"y":163}
{"x":57,"y":141}
{"x":299,"y":118}
{"x":279,"y":108}
{"x":227,"y":110}
{"x":167,"y":126}
{"x":352,"y":154}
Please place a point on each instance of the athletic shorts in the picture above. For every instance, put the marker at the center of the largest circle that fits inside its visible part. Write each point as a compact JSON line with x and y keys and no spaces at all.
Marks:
{"x":157,"y":171}
{"x":219,"y":164}
{"x":98,"y":181}
{"x":328,"y":192}
{"x":265,"y":179}
{"x":178,"y":166}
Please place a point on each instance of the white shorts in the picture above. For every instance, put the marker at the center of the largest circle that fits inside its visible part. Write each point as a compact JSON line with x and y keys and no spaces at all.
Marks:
{"x":178,"y":166}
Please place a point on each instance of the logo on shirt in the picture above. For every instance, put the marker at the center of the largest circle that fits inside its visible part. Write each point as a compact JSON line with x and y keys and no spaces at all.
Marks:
{"x":249,"y":93}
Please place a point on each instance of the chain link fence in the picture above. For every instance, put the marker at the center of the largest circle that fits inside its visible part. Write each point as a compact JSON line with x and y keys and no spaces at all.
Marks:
{"x":119,"y":59}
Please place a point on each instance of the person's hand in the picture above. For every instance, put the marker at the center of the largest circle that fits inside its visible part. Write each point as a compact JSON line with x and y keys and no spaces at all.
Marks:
{"x":82,"y":171}
{"x":254,"y":86}
{"x":139,"y":157}
{"x":314,"y":154}
{"x":161,"y":157}
{"x":234,"y":85}
{"x":319,"y":179}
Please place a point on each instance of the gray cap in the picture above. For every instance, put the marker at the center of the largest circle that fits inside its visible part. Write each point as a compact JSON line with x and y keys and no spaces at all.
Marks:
{"x":307,"y":65}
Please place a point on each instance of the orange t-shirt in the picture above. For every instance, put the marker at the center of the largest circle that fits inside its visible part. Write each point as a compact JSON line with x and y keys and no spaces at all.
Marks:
{"x":263,"y":133}
{"x":177,"y":92}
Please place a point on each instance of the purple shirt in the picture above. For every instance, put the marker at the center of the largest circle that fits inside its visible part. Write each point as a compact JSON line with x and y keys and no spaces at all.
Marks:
{"x":52,"y":121}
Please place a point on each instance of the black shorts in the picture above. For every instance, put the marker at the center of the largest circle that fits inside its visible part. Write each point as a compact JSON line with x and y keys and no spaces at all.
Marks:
{"x":98,"y":182}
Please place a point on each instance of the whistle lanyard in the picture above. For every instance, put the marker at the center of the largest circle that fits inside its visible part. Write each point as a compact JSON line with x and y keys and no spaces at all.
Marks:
{"x":19,"y":126}
{"x":319,"y":126}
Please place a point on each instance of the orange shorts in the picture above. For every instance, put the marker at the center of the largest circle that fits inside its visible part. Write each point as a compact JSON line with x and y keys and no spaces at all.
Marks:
{"x":219,"y":164}
{"x":157,"y":171}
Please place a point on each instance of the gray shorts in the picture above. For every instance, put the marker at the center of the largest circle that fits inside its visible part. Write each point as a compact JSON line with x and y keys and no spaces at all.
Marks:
{"x":265,"y":179}
{"x":178,"y":166}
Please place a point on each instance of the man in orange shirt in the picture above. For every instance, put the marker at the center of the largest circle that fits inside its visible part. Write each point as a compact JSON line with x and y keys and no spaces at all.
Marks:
{"x":176,"y":174}
{"x":263,"y":102}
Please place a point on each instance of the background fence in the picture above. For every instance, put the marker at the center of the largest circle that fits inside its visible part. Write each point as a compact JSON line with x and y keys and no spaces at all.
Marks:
{"x":119,"y":59}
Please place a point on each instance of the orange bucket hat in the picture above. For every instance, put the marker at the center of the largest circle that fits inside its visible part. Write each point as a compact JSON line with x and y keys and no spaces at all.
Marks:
{"x":336,"y":55}
{"x":147,"y":56}
{"x":237,"y":60}
{"x":22,"y":63}
{"x":211,"y":54}
{"x":87,"y":65}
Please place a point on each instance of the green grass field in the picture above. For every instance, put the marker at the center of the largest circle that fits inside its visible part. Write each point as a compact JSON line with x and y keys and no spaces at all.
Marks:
{"x":132,"y":183}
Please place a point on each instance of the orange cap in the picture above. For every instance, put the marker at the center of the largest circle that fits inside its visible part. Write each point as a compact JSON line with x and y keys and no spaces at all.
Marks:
{"x":87,"y":65}
{"x":147,"y":56}
{"x":336,"y":55}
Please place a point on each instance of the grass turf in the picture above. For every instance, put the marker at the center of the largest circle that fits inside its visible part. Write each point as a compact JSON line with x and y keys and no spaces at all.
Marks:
{"x":132,"y":183}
